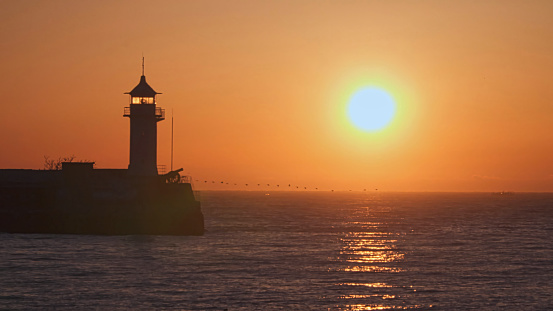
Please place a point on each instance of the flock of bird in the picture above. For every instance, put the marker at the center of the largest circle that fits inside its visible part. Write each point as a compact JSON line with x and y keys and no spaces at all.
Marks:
{"x":253,"y":185}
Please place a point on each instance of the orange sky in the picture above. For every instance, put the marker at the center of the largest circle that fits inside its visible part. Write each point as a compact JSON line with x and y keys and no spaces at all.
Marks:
{"x":259,"y":89}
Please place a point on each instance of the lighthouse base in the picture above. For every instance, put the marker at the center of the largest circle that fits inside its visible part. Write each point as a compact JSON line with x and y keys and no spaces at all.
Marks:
{"x":82,"y":200}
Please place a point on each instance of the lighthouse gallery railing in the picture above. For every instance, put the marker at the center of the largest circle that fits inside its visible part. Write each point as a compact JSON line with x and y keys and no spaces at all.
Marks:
{"x":159,"y":113}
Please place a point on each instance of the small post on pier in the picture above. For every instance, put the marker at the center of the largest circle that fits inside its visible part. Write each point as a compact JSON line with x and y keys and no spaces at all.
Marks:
{"x":171,"y":140}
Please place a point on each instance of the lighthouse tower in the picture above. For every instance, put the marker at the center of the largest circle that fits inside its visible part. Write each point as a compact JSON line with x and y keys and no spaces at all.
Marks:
{"x":144,"y":115}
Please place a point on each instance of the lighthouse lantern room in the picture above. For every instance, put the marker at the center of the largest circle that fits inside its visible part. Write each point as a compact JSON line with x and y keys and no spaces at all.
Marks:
{"x":144,"y":115}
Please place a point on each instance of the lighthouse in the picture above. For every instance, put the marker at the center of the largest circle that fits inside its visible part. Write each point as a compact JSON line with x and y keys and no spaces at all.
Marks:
{"x":81,"y":199}
{"x":144,"y":115}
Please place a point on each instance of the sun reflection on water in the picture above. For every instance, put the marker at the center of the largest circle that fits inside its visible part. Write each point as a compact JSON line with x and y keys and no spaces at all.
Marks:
{"x":361,"y":307}
{"x":382,"y":285}
{"x":370,"y":251}
{"x":370,"y":247}
{"x":366,"y":296}
{"x":371,"y":269}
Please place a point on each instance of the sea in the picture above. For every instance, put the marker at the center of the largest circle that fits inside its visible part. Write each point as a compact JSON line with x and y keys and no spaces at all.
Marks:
{"x":303,"y":251}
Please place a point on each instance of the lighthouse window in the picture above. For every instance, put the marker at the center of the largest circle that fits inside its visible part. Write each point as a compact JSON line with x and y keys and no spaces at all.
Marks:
{"x":142,"y":100}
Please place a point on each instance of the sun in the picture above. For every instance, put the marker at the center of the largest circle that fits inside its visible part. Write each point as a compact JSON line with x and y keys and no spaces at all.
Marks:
{"x":371,"y":109}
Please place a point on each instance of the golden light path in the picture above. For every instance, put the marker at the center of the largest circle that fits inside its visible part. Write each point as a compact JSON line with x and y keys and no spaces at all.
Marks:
{"x":369,"y":256}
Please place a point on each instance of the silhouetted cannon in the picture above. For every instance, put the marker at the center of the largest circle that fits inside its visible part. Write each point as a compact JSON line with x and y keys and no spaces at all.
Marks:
{"x":172,"y":176}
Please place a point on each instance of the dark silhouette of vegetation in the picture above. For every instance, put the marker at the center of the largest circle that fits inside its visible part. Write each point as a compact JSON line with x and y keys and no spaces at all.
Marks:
{"x":55,"y":164}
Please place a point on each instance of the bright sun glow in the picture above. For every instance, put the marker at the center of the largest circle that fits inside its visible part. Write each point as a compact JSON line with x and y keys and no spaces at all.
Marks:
{"x":371,"y":109}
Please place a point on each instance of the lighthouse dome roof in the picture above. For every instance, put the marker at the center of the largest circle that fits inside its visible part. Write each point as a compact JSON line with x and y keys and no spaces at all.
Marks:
{"x":143,"y":89}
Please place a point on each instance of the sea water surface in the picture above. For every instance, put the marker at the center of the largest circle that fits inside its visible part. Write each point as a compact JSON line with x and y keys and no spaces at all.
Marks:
{"x":303,"y":251}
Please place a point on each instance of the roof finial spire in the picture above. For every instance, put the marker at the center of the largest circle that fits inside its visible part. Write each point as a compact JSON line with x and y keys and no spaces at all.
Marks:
{"x":142,"y":64}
